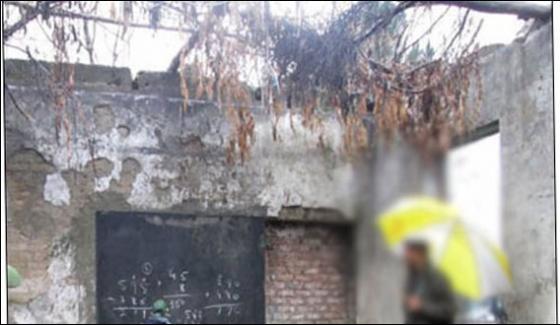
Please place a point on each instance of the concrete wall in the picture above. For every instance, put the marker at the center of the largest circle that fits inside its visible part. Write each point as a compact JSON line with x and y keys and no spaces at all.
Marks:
{"x":133,"y":148}
{"x":517,"y":92}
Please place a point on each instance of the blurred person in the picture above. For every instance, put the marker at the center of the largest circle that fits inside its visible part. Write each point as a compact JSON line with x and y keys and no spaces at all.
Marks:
{"x":428,"y":295}
{"x":159,"y":311}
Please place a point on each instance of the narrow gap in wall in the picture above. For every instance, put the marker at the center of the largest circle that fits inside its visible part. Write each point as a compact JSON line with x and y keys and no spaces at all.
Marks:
{"x":473,"y":181}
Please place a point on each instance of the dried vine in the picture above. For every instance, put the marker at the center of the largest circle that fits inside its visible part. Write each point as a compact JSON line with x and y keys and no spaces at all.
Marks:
{"x":360,"y":65}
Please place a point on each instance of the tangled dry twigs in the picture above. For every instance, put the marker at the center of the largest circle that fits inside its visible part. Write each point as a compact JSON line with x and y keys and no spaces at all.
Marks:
{"x":359,"y":65}
{"x":346,"y":68}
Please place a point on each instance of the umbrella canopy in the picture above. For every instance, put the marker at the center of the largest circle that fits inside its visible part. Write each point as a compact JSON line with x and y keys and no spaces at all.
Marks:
{"x":475,"y":267}
{"x":412,"y":214}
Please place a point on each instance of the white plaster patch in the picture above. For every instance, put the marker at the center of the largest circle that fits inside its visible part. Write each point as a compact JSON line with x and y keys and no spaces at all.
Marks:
{"x":60,"y":304}
{"x":56,"y":190}
{"x":277,"y":171}
{"x":21,"y":314}
{"x":143,"y":192}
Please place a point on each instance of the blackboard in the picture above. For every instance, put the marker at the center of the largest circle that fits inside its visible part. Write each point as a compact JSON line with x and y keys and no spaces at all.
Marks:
{"x":209,"y":270}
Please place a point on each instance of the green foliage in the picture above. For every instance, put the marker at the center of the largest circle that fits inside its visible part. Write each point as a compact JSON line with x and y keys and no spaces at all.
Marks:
{"x":14,"y":278}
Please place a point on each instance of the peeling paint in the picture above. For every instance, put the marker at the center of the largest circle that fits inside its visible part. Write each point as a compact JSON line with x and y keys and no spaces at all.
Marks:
{"x":61,"y":303}
{"x":144,"y":153}
{"x":56,"y":190}
{"x":275,"y":176}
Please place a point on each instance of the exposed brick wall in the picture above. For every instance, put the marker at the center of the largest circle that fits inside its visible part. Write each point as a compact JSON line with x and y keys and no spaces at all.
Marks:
{"x":308,"y":274}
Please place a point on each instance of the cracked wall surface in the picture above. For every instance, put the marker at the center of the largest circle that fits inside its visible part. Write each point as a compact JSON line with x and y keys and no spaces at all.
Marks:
{"x":517,"y":93}
{"x":129,"y":146}
{"x":134,"y":148}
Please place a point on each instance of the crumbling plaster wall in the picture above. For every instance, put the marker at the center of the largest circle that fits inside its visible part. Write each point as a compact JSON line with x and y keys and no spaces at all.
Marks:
{"x":517,"y":92}
{"x":134,"y":148}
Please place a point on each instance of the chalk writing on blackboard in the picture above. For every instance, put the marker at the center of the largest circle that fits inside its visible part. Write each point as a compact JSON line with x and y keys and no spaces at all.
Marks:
{"x":208,"y":269}
{"x":136,"y":292}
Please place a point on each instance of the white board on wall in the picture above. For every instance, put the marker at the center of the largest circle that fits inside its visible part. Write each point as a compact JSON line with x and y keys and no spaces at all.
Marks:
{"x":473,"y":178}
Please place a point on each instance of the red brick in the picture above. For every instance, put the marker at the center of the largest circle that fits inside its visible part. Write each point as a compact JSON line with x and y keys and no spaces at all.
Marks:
{"x":307,"y":274}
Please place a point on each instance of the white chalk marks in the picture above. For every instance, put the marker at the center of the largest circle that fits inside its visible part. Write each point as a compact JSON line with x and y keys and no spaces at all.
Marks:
{"x":187,"y":303}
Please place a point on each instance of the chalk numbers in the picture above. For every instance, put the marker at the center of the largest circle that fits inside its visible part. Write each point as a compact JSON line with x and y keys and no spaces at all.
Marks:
{"x":136,"y":292}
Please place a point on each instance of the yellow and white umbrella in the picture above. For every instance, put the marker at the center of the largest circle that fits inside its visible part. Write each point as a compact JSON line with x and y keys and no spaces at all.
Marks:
{"x":475,"y":267}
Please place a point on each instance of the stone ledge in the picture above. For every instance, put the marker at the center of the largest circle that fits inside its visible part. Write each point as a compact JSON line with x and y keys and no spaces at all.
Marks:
{"x":25,"y":72}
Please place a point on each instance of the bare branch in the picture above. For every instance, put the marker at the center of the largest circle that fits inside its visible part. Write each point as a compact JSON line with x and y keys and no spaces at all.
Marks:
{"x":385,"y":21}
{"x":175,"y":63}
{"x":457,"y":34}
{"x":402,"y":36}
{"x":429,"y":30}
{"x":31,"y":58}
{"x":99,"y":19}
{"x":523,"y":9}
{"x":31,"y":12}
{"x":16,"y":105}
{"x":473,"y":38}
